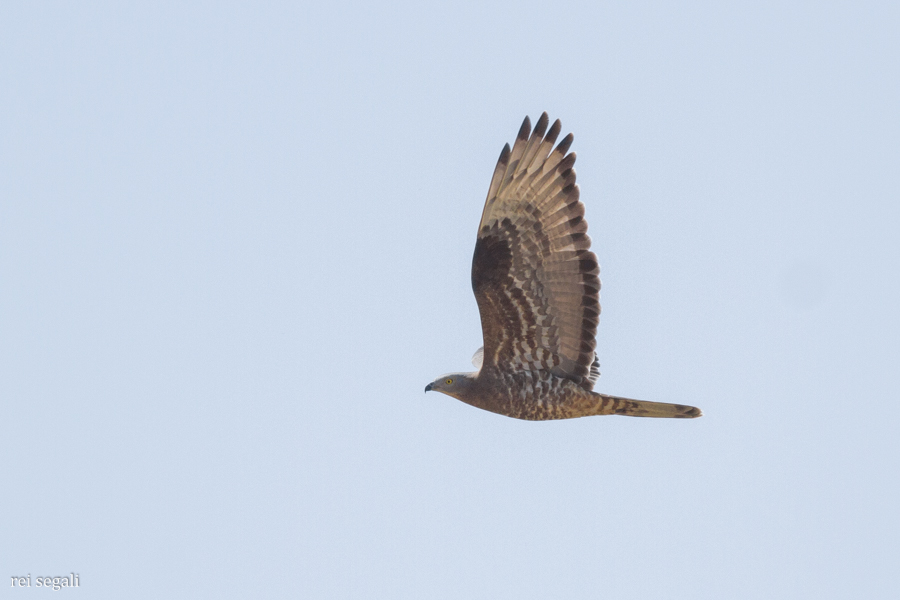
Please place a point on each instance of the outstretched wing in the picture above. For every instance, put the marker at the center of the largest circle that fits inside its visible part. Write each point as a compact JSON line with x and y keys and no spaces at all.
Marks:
{"x":534,"y":276}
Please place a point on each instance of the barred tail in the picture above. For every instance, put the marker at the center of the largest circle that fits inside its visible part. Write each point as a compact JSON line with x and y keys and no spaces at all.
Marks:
{"x":613,"y":405}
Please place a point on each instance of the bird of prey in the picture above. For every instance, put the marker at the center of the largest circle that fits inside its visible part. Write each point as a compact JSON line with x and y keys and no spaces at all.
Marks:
{"x":537,"y":287}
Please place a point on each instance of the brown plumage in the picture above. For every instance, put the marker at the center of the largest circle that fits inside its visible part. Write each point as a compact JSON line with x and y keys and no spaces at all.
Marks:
{"x":538,"y":292}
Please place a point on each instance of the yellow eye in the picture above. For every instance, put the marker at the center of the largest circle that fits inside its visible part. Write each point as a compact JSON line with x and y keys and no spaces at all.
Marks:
{"x":448,"y":381}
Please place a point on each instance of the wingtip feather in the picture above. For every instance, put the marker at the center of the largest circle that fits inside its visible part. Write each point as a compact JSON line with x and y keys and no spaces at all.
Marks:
{"x":554,"y":132}
{"x":524,"y":130}
{"x":541,"y":126}
{"x":565,"y":144}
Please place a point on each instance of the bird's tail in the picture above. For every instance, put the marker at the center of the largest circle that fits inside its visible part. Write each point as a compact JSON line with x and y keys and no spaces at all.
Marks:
{"x":613,"y":405}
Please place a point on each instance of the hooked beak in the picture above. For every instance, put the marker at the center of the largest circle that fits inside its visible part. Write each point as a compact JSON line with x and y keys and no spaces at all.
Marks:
{"x":428,"y":388}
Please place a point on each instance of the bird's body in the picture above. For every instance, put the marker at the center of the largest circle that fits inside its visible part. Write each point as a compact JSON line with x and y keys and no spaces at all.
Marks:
{"x":531,"y":395}
{"x":542,"y":396}
{"x":537,"y":286}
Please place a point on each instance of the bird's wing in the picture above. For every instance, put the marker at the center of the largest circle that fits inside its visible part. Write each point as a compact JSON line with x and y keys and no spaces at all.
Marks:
{"x":534,"y":276}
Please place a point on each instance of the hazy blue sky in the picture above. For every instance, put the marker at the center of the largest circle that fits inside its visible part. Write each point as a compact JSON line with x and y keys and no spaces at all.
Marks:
{"x":235,"y":242}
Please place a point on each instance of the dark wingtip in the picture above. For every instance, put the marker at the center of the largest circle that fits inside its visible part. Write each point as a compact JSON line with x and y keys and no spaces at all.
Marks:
{"x":554,"y":131}
{"x":564,"y":145}
{"x":504,"y":154}
{"x":541,"y":126}
{"x":525,"y":129}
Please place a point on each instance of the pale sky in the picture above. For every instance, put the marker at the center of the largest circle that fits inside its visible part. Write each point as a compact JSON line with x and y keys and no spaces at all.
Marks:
{"x":235,"y":243}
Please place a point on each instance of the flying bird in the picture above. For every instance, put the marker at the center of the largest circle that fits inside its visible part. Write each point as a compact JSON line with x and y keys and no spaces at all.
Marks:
{"x":536,"y":283}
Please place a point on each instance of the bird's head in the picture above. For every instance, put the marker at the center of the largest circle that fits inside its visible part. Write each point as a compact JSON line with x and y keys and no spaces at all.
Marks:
{"x":453,"y":384}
